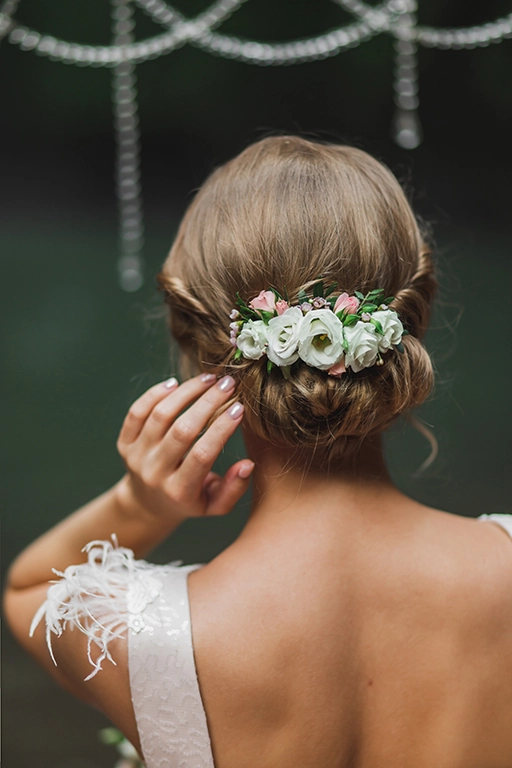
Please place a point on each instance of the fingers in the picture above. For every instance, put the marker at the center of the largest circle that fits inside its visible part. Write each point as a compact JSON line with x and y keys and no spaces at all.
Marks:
{"x":194,"y":469}
{"x":186,"y":429}
{"x":145,"y":405}
{"x":223,"y":493}
{"x":162,"y":442}
{"x":173,"y":433}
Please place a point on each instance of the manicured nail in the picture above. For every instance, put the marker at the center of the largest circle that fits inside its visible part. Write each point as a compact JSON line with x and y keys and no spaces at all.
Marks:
{"x":170,"y":383}
{"x":245,"y":470}
{"x":207,"y":377}
{"x":236,"y":411}
{"x":226,"y":383}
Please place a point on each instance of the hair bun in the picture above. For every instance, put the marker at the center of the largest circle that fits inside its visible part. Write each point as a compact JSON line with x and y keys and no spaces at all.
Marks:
{"x":282,"y":213}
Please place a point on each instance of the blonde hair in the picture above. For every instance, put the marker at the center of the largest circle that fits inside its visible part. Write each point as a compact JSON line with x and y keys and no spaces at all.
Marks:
{"x":282,"y":213}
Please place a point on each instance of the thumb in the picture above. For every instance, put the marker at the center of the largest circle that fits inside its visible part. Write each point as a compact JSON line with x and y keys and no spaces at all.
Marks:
{"x":226,"y":491}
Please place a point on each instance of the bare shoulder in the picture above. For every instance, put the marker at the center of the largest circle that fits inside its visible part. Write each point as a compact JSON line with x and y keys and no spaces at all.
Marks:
{"x":480,"y":556}
{"x":109,"y":689}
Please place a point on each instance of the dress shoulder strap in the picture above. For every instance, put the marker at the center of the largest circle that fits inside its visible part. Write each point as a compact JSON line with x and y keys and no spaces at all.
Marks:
{"x":112,"y":596}
{"x":505,"y":521}
{"x":169,"y":712}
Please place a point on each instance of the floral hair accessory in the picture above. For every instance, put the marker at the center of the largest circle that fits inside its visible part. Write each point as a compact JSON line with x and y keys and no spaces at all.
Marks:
{"x":331,"y":333}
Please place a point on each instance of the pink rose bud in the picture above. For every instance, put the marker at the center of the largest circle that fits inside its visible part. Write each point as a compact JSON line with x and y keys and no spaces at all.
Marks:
{"x":281,"y":306}
{"x":319,"y":302}
{"x":344,"y":301}
{"x":265,"y":300}
{"x":337,"y":370}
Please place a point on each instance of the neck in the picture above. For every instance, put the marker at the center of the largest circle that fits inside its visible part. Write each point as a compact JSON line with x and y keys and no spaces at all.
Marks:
{"x":286,"y":488}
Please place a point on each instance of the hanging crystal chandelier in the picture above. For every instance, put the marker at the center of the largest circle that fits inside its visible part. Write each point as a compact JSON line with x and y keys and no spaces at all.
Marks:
{"x":394,"y":17}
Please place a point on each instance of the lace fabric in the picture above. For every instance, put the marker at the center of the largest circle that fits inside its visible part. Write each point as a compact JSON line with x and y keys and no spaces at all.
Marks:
{"x":165,"y":690}
{"x":114,"y":595}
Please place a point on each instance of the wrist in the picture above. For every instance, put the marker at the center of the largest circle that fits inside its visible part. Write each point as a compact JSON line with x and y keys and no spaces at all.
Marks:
{"x":134,"y":511}
{"x":126,"y":502}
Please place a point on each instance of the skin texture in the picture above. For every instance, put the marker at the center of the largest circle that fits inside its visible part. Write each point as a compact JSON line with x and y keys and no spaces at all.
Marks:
{"x":347,"y":626}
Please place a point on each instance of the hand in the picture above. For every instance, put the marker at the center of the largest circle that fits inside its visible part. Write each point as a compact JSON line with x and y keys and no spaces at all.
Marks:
{"x":169,"y":465}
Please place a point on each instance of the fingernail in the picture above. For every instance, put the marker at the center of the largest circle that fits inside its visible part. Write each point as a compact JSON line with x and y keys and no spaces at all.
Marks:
{"x":236,"y":411}
{"x":226,"y":383}
{"x":170,"y":383}
{"x":207,"y":377}
{"x":245,"y":470}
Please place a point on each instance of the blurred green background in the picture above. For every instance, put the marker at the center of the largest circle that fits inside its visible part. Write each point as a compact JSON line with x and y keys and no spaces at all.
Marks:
{"x":78,"y":351}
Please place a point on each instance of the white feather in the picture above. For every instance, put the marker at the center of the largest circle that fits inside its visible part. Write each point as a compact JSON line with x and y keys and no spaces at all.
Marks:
{"x":103,"y":598}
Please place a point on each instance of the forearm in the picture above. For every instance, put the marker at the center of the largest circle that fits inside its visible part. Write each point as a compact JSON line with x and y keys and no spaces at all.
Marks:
{"x":112,"y":512}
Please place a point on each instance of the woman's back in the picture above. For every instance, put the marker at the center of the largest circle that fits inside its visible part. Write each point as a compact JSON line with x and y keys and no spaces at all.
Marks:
{"x":347,"y":626}
{"x":388,"y":644}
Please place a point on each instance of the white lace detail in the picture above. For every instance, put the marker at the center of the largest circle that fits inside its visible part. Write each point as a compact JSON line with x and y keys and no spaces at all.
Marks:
{"x":112,"y":593}
{"x":165,"y":690}
{"x":101,"y":597}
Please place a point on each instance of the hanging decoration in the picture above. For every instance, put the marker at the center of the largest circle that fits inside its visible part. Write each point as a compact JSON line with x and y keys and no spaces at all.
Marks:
{"x":394,"y":17}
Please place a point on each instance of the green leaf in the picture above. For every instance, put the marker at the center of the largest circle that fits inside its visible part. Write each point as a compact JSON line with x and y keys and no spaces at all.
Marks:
{"x":285,"y":370}
{"x":400,"y":347}
{"x":270,"y":365}
{"x":344,"y":344}
{"x":240,"y":301}
{"x":249,"y":314}
{"x":359,"y":295}
{"x":238,"y":354}
{"x":388,"y":300}
{"x":266,"y":315}
{"x":302,"y":296}
{"x":405,"y":332}
{"x":318,"y":289}
{"x":286,"y":295}
{"x":350,"y":320}
{"x":111,"y":736}
{"x":276,"y":293}
{"x":330,"y":289}
{"x":375,"y":293}
{"x":367,"y":308}
{"x":378,"y":326}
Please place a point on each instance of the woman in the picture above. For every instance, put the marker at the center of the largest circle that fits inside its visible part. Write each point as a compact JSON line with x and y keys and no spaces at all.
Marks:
{"x":348,"y":625}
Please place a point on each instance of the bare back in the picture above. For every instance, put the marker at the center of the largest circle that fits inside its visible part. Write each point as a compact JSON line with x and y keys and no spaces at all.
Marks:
{"x":389,"y":644}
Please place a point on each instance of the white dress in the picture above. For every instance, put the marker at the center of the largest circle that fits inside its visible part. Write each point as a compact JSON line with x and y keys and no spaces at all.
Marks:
{"x":113,"y":593}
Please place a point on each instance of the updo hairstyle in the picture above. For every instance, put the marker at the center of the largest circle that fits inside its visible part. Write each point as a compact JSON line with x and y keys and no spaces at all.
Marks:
{"x":283,"y":213}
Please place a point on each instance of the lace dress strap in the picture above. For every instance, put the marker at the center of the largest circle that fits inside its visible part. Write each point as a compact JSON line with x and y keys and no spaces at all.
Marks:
{"x":165,"y":691}
{"x":113,"y":595}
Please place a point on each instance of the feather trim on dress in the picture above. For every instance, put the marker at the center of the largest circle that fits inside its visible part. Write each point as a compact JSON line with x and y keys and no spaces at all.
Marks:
{"x":103,"y":598}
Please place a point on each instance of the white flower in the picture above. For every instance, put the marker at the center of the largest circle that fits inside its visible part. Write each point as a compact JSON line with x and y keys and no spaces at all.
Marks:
{"x":363,"y":346}
{"x":320,"y":339}
{"x":252,"y":339}
{"x":392,"y":327}
{"x":283,"y":337}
